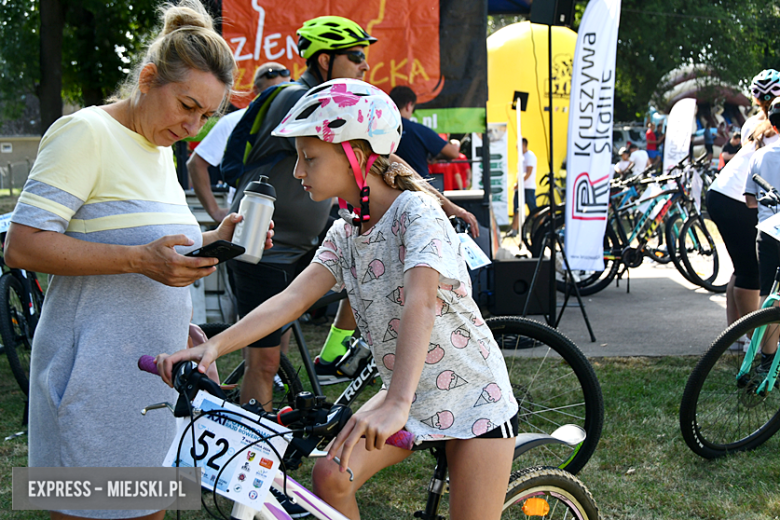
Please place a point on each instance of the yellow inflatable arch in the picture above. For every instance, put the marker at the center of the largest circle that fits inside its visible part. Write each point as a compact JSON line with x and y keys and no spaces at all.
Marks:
{"x":518,"y":62}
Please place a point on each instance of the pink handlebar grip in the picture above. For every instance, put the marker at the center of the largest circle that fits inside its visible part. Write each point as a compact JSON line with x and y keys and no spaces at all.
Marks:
{"x":401,"y":439}
{"x":146,"y":363}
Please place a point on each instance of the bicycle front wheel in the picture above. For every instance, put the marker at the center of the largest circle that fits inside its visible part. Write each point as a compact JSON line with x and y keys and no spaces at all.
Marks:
{"x":719,"y":416}
{"x":699,"y":246}
{"x":549,"y":493}
{"x":554,"y":384}
{"x":16,"y":329}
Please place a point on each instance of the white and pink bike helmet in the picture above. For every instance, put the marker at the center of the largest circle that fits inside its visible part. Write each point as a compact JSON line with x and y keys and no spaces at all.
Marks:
{"x":341,"y":110}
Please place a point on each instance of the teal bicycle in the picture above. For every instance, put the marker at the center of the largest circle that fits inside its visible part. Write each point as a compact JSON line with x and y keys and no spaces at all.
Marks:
{"x":729,"y":403}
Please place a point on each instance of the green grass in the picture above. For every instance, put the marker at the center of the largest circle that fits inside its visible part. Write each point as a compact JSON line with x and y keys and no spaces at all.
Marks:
{"x":642,"y":469}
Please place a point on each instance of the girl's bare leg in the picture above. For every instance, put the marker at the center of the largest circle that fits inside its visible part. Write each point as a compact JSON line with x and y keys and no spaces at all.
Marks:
{"x":479,"y":476}
{"x":334,"y":487}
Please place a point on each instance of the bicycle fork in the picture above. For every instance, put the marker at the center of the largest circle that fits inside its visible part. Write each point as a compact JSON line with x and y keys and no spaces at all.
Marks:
{"x":743,"y":376}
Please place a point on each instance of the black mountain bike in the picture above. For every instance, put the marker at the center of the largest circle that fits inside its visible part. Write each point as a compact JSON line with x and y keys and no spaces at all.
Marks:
{"x":20,"y":310}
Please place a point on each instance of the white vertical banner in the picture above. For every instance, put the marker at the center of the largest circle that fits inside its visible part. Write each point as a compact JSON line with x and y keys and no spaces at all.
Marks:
{"x":589,"y":153}
{"x":678,"y":132}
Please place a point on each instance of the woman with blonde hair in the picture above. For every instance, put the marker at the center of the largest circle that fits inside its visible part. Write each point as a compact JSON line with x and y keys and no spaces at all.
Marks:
{"x":727,"y":205}
{"x":103,"y":212}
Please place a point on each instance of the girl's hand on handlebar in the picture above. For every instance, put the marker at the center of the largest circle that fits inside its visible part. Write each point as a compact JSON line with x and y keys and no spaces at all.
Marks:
{"x":376,"y":425}
{"x":204,"y":354}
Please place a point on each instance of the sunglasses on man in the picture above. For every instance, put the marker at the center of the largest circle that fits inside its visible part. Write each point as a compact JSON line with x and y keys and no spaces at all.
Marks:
{"x":356,"y":57}
{"x":272,"y":73}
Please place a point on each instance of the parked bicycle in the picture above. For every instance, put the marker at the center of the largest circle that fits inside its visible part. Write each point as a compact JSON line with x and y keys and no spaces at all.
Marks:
{"x":663,"y":224}
{"x":538,"y":491}
{"x":20,"y":309}
{"x":554,"y":384}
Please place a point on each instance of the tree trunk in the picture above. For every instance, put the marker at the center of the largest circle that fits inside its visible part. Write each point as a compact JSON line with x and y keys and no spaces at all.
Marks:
{"x":89,"y":76}
{"x":50,"y":88}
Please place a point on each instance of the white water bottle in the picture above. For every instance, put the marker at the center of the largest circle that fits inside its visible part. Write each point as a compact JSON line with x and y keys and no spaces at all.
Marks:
{"x":257,"y":208}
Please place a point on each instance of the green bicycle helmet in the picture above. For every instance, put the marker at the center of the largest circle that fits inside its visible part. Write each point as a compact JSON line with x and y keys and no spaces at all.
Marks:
{"x":330,"y":33}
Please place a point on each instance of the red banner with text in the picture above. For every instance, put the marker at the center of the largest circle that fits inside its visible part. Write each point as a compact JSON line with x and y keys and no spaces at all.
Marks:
{"x":407,"y":52}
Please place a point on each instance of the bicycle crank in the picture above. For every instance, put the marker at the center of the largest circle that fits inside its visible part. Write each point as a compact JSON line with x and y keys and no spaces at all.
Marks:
{"x":632,"y":257}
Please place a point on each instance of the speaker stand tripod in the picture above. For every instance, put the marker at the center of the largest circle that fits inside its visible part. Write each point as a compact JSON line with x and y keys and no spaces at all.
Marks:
{"x":551,"y":238}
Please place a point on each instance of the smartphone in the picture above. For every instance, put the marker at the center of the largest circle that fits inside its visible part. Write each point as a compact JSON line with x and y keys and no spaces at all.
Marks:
{"x":221,"y":250}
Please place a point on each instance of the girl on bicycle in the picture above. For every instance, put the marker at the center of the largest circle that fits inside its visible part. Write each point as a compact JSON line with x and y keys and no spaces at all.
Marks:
{"x":400,"y":260}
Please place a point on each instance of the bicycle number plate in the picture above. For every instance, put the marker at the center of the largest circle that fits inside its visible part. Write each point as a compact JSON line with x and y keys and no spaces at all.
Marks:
{"x":475,"y":257}
{"x":232,"y":464}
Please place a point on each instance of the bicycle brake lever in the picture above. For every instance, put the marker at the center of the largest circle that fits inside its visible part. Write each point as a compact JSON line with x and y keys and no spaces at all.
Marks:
{"x":156,"y":406}
{"x":769,"y":200}
{"x":351,"y":475}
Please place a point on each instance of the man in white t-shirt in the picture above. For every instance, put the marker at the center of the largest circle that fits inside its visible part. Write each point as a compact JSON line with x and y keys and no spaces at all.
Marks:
{"x":209,"y":152}
{"x":624,"y":164}
{"x":638,"y":157}
{"x":529,"y":183}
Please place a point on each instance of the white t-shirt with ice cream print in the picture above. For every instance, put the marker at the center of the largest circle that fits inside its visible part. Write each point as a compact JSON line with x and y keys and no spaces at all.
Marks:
{"x":464,"y":389}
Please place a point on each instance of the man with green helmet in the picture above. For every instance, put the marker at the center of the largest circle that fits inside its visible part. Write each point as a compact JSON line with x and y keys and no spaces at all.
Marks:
{"x":332,"y":36}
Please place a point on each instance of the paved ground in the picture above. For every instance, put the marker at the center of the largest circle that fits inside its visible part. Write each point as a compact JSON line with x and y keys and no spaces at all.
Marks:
{"x":662,"y":315}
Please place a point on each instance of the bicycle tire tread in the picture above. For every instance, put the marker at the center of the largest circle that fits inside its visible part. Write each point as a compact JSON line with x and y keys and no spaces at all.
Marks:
{"x":689,"y":424}
{"x":537,"y":479}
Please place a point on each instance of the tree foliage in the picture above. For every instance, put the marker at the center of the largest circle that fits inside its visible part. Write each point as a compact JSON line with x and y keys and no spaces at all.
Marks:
{"x":735,"y":39}
{"x":100,"y":40}
{"x":19,"y":67}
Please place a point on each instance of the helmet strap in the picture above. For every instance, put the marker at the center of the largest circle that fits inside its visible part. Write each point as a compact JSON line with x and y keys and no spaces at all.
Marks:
{"x":361,"y":179}
{"x":330,"y":64}
{"x":316,"y":70}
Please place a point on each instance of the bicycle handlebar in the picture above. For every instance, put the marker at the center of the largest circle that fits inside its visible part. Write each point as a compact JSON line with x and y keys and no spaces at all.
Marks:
{"x":310,"y":416}
{"x":763,"y":183}
{"x":147,"y":364}
{"x":772,"y":197}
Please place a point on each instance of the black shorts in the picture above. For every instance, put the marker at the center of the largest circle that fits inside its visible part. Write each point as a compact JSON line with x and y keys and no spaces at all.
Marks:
{"x":254,"y":284}
{"x":507,"y":430}
{"x":768,"y":261}
{"x":708,"y":147}
{"x":737,"y":225}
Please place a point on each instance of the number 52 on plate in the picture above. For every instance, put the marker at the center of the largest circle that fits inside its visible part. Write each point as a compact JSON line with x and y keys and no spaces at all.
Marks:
{"x":221,"y":441}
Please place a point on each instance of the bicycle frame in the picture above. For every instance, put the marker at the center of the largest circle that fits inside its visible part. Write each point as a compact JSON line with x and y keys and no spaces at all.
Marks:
{"x":650,"y":219}
{"x":359,"y":381}
{"x":755,"y":345}
{"x":188,"y":381}
{"x":663,"y":204}
{"x":568,"y":434}
{"x":272,"y":510}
